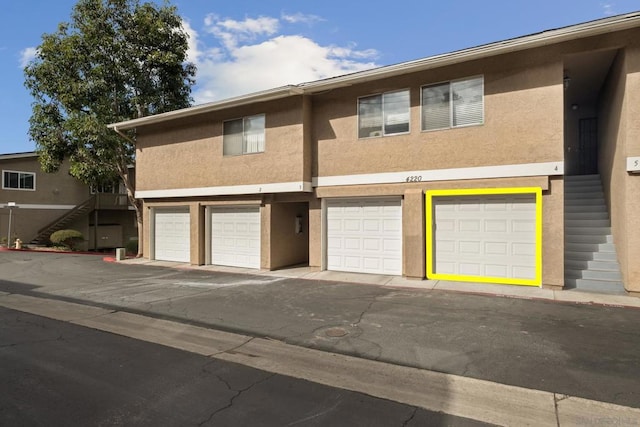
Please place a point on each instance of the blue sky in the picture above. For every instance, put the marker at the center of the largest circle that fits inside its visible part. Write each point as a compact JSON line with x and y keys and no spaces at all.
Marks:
{"x":242,"y":46}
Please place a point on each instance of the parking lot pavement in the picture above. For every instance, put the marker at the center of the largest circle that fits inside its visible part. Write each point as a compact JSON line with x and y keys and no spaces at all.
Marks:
{"x":584,"y":350}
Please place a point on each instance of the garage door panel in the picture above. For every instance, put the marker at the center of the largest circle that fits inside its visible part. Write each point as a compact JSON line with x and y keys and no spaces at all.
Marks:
{"x":493,"y":270}
{"x":493,"y":236}
{"x":365,"y":236}
{"x":172,"y":235}
{"x":235,"y":236}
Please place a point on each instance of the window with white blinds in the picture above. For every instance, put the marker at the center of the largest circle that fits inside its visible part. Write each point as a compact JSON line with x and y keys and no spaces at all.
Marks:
{"x":453,"y":104}
{"x":383,"y":114}
{"x":243,"y":136}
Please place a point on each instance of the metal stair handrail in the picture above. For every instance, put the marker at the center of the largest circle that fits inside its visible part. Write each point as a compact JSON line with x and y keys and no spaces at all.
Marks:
{"x":90,"y":202}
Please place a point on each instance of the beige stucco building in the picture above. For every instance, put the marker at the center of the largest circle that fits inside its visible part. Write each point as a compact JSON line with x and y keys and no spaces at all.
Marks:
{"x":512,"y":162}
{"x":40,"y":203}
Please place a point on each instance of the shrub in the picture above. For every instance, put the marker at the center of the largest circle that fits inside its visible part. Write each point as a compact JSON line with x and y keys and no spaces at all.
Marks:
{"x":132,"y":247}
{"x":68,"y":238}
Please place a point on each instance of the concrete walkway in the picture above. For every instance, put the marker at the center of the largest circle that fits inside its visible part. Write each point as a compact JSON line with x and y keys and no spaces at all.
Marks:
{"x":509,"y":291}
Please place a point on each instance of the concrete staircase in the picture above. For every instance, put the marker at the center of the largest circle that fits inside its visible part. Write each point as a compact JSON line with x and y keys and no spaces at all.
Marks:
{"x":590,"y":261}
{"x":44,"y":233}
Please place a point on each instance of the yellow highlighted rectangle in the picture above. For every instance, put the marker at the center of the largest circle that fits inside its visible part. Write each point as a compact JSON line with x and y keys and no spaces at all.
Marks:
{"x":431,"y":274}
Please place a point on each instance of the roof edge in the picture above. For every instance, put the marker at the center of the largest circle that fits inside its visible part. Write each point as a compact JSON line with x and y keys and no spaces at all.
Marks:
{"x":18,"y":155}
{"x":266,"y":95}
{"x":572,"y":32}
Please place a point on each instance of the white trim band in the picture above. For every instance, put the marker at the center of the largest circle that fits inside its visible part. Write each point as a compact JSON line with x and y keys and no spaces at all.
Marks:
{"x":481,"y":172}
{"x":37,"y":206}
{"x":229,"y":190}
{"x":633,"y":164}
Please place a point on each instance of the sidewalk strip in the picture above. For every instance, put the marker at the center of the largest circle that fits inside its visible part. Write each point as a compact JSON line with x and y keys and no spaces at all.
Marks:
{"x":456,"y":395}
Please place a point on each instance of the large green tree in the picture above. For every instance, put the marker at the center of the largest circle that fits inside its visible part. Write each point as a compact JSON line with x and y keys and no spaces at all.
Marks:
{"x":115,"y":60}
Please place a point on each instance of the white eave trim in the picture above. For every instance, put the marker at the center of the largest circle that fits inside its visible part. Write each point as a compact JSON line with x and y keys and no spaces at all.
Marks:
{"x":229,"y":190}
{"x":480,"y":172}
{"x":39,"y":206}
{"x":267,"y":95}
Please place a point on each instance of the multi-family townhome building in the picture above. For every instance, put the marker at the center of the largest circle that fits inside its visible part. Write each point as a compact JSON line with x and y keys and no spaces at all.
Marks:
{"x":512,"y":162}
{"x":34,"y":204}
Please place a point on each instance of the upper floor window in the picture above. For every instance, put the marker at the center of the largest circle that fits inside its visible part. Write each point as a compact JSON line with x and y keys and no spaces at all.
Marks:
{"x":18,"y":180}
{"x":243,"y":136}
{"x":383,"y":114}
{"x":453,"y":104}
{"x":109,"y":188}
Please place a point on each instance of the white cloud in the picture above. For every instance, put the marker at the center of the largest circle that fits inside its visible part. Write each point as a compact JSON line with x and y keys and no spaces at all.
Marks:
{"x":27,"y":55}
{"x":240,"y":57}
{"x":609,"y":9}
{"x":301,"y":18}
{"x":231,"y":32}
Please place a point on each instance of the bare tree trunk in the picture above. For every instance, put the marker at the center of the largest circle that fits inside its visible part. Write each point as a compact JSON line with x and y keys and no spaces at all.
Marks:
{"x":137,"y":204}
{"x":123,"y":171}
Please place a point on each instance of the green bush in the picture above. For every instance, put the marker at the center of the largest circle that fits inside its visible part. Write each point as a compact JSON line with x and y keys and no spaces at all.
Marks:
{"x":132,"y":247}
{"x":68,"y":238}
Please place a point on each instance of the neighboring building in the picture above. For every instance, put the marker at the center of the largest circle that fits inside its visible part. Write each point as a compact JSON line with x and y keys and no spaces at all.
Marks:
{"x":46,"y":202}
{"x":453,"y":167}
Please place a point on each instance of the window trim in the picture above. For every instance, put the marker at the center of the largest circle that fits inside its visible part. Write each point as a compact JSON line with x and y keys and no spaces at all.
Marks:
{"x":383,"y":134}
{"x":451,"y":104}
{"x":242,"y":118}
{"x":4,"y":184}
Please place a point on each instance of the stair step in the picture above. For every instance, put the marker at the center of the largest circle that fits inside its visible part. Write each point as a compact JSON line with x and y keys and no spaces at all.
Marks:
{"x":605,"y":275}
{"x":575,"y":194}
{"x":595,"y":183}
{"x":585,"y":215}
{"x":585,"y":208}
{"x":587,"y":222}
{"x":582,"y":177}
{"x":572,"y":264}
{"x":588,"y":256}
{"x":587,"y":230}
{"x":573,"y":183}
{"x":583,"y":202}
{"x":588,"y":238}
{"x":590,"y":247}
{"x":596,"y":285}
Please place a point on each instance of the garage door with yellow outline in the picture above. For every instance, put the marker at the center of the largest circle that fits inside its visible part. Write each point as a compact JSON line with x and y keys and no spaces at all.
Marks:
{"x":485,"y":235}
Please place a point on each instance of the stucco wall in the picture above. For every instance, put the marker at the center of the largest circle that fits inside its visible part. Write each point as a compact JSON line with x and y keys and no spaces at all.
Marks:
{"x":611,"y":155}
{"x":188,"y":153}
{"x":523,"y":121}
{"x":632,"y":103}
{"x":54,"y":195}
{"x":58,"y":188}
{"x":288,"y":247}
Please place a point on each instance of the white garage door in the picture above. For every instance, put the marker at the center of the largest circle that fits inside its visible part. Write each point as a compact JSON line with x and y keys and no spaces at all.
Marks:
{"x":365,"y":235}
{"x":489,"y":237}
{"x":171,"y":235}
{"x":235,"y":236}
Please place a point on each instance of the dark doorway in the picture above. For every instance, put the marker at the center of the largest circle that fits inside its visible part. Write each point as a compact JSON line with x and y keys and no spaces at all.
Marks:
{"x":588,"y":146}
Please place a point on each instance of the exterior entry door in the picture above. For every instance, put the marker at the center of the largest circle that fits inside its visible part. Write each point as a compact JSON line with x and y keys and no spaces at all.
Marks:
{"x":588,"y":146}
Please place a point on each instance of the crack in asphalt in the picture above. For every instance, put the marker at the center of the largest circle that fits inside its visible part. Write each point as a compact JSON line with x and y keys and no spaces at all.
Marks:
{"x":237,"y":394}
{"x":337,"y":398}
{"x":30,"y":342}
{"x":231,"y":350}
{"x":411,"y":417}
{"x":357,"y":323}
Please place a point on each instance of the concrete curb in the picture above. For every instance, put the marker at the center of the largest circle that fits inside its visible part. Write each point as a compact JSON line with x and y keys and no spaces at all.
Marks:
{"x":456,"y":395}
